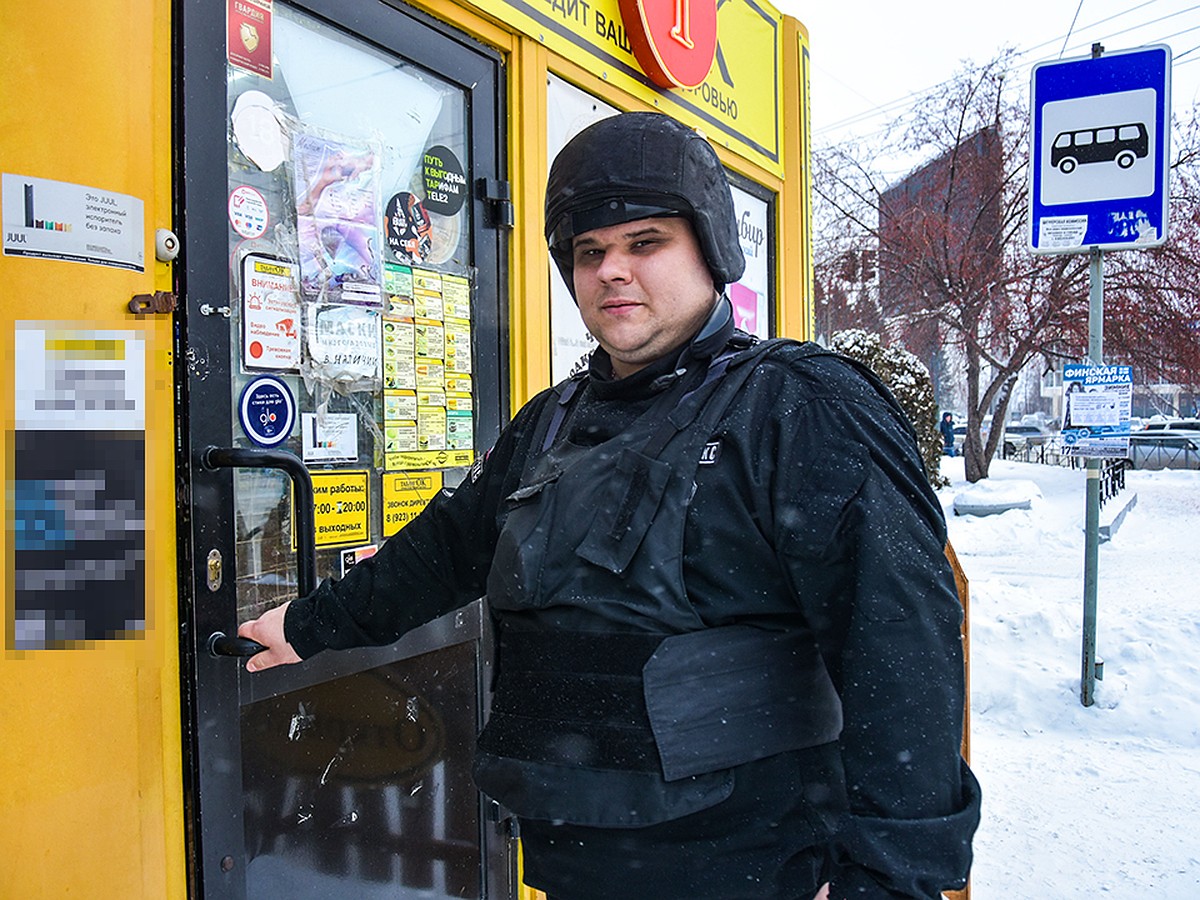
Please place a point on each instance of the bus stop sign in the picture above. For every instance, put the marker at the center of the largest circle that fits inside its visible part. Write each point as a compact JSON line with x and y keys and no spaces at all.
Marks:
{"x":1099,"y":142}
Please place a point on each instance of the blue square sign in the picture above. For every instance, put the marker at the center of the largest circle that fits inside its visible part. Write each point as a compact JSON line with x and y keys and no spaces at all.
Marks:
{"x":1099,"y":141}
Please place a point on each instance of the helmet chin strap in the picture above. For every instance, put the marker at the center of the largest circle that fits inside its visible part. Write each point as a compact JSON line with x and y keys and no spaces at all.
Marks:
{"x":721,"y":313}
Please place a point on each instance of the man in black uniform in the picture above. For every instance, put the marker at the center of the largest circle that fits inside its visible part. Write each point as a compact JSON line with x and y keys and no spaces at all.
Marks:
{"x":729,"y":662}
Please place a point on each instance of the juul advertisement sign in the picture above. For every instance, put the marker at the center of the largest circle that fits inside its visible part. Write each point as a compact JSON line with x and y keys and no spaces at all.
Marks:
{"x":713,"y":65}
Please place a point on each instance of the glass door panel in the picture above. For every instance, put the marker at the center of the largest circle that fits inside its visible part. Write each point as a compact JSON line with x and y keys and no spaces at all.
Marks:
{"x":343,"y":306}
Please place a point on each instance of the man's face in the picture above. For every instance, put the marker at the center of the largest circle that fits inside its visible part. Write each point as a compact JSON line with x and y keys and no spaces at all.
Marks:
{"x":642,"y":287}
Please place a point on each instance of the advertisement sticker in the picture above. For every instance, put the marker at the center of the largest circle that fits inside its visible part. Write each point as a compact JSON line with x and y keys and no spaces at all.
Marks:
{"x":248,"y":212}
{"x":267,"y":411}
{"x":248,"y":35}
{"x":59,"y":220}
{"x":332,"y":437}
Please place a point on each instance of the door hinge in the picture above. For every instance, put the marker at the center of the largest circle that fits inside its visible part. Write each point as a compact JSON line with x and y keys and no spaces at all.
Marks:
{"x":157,"y":303}
{"x":497,"y":194}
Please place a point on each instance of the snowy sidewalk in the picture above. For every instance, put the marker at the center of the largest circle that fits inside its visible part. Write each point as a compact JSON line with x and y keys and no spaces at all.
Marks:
{"x":1084,"y":803}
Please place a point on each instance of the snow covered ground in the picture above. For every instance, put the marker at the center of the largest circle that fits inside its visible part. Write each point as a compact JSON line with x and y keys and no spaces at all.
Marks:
{"x":1084,"y":802}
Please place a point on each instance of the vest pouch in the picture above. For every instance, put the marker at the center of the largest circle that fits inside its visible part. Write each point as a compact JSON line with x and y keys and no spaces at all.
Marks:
{"x":725,"y":696}
{"x":623,"y":516}
{"x":515,"y":578}
{"x":595,"y":797}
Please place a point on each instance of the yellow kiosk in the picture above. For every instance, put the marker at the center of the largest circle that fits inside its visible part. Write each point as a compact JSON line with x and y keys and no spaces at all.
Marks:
{"x":272,"y":275}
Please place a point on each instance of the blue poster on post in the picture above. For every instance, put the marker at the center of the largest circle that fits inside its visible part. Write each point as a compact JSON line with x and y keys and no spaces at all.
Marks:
{"x":1096,"y":405}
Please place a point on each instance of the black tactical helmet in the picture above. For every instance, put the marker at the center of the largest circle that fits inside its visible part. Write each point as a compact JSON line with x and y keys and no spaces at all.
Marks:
{"x":635,"y":166}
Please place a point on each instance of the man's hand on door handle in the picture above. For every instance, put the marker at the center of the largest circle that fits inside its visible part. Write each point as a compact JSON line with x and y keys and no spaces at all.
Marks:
{"x":267,"y":629}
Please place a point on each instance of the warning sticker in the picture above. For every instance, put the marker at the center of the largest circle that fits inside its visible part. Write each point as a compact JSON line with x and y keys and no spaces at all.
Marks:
{"x":270,"y":314}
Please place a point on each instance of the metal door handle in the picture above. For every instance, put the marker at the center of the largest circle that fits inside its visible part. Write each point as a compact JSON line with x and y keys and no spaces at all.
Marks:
{"x":220,"y":644}
{"x":212,"y":458}
{"x":306,"y":541}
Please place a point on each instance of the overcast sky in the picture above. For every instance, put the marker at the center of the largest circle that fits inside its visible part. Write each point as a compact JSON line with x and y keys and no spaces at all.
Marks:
{"x":868,"y":58}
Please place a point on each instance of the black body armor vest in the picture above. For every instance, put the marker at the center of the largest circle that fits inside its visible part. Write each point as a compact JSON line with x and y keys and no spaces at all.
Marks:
{"x":615,"y":705}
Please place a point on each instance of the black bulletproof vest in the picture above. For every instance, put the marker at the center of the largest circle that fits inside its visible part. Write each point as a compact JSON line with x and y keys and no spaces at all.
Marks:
{"x":614,"y":704}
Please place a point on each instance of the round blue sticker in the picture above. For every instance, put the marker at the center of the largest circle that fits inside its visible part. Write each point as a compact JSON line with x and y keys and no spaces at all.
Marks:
{"x":267,"y":411}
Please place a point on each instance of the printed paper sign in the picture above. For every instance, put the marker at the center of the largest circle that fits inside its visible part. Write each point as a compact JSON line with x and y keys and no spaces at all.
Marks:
{"x":1098,"y":400}
{"x":1095,"y":409}
{"x":329,"y":438}
{"x":342,"y":507}
{"x":344,"y":343}
{"x":77,"y":482}
{"x":405,"y":495}
{"x":74,"y":379}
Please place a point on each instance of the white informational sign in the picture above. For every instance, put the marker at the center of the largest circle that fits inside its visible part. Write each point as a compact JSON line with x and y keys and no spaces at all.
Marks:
{"x":751,"y":293}
{"x":60,"y":220}
{"x":1099,"y":136}
{"x":270,"y":314}
{"x":329,"y":438}
{"x":1097,"y":404}
{"x":344,"y":345}
{"x":1098,"y":408}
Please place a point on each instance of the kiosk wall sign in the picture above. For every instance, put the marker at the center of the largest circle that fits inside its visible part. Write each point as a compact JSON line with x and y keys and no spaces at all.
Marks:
{"x":737,"y":99}
{"x":1099,"y":142}
{"x":673,"y":42}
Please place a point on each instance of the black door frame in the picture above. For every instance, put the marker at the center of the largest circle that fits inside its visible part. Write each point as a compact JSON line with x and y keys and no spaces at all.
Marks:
{"x":212,"y":690}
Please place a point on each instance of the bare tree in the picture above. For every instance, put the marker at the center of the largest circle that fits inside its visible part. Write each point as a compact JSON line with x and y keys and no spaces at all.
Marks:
{"x":957,"y":279}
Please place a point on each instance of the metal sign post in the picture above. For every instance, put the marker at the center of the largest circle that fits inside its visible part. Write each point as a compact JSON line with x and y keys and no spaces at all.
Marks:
{"x":1099,"y":141}
{"x":1091,"y":543}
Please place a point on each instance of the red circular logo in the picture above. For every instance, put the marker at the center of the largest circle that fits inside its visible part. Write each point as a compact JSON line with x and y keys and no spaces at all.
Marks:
{"x":256,"y":349}
{"x":674,"y":41}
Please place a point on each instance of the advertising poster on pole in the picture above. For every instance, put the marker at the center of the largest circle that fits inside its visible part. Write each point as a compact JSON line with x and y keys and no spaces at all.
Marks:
{"x":1096,"y":411}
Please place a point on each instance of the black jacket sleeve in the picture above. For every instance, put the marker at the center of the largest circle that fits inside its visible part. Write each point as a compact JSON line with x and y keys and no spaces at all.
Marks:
{"x":862,"y":537}
{"x":438,"y":562}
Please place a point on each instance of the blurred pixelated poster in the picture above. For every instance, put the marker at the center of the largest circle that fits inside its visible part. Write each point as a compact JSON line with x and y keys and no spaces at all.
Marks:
{"x":78,"y":486}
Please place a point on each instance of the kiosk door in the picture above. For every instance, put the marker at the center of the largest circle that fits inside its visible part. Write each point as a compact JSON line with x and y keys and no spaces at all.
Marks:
{"x":342,"y":342}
